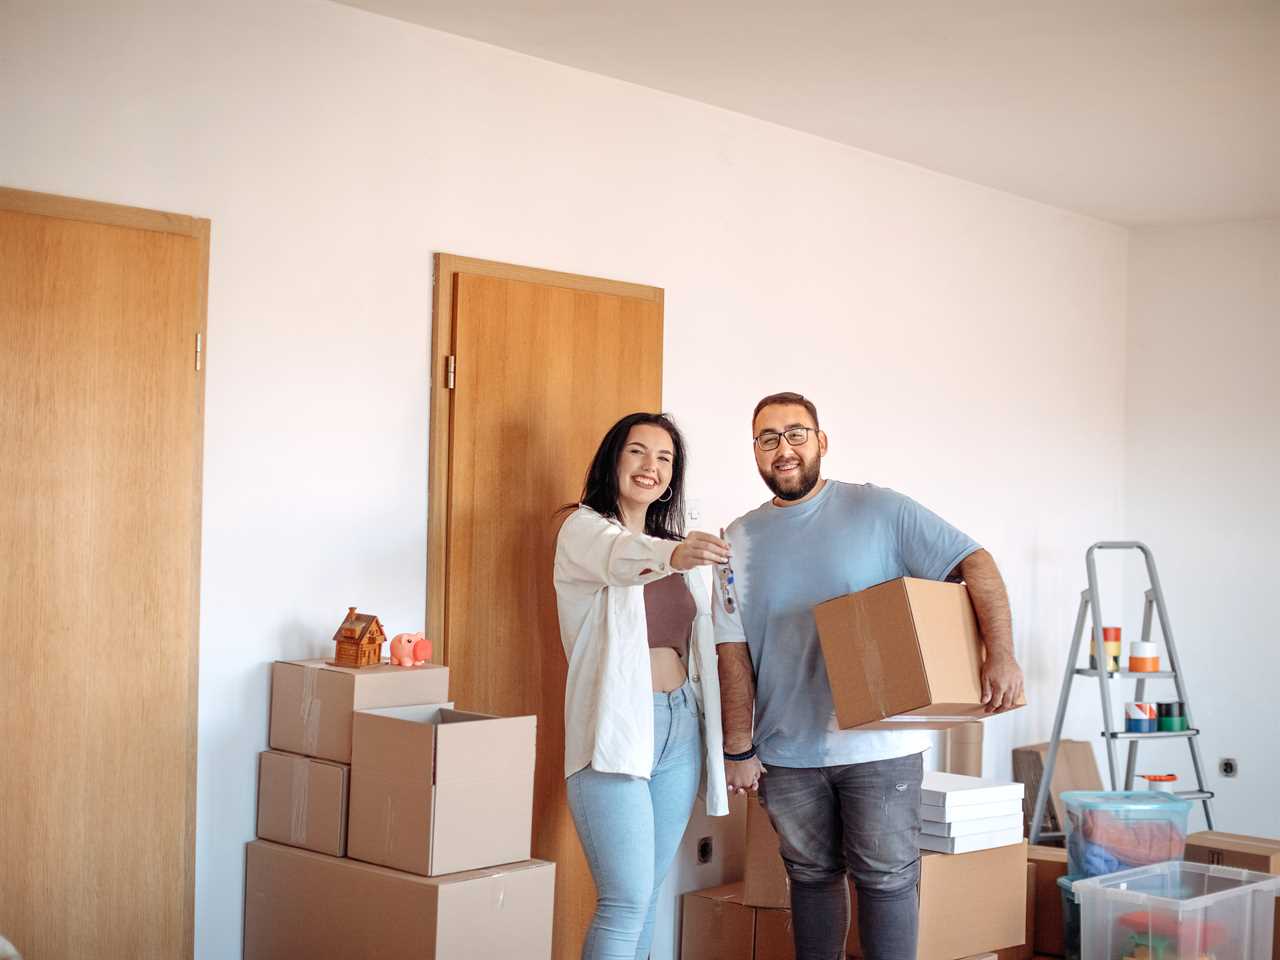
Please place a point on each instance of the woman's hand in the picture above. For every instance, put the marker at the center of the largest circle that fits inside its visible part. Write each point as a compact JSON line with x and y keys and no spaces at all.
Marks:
{"x":699,"y":549}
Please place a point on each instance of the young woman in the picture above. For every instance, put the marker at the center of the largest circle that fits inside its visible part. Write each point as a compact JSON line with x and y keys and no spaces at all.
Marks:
{"x":635,"y":620}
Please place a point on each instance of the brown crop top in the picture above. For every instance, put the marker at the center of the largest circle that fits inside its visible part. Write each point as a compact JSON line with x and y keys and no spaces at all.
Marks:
{"x":669,"y":610}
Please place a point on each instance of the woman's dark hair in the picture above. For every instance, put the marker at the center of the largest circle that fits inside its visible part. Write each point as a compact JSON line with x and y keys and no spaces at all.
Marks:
{"x":664,"y":518}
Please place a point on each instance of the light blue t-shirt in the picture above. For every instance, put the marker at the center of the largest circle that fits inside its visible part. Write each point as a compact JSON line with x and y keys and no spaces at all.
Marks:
{"x":788,"y":559}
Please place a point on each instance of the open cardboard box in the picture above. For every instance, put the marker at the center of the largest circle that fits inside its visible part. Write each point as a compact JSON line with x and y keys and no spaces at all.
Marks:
{"x":436,"y":790}
{"x":906,"y":654}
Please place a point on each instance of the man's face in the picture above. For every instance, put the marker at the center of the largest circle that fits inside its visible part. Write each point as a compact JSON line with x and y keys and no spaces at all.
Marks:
{"x":791,"y":472}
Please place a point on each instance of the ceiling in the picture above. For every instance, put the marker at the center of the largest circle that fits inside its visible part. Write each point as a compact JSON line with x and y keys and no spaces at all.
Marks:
{"x":1133,"y":111}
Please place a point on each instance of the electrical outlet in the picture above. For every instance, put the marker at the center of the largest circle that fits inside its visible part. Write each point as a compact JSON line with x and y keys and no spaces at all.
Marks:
{"x":693,"y":509}
{"x":1228,"y":766}
{"x":705,"y":850}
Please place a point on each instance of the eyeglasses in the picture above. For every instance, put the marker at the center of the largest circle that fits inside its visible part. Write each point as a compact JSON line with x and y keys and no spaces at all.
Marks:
{"x":796,"y":436}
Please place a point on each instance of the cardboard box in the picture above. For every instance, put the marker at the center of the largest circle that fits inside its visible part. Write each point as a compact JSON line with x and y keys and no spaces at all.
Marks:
{"x":1050,"y":863}
{"x":774,"y":937}
{"x":764,"y":877}
{"x":436,"y":791}
{"x":1074,"y":769}
{"x":970,"y":903}
{"x":906,"y":654}
{"x":717,"y":924}
{"x":963,"y":749}
{"x":302,"y":801}
{"x":1026,"y":950}
{"x":304,"y":904}
{"x":1244,"y":853}
{"x":312,"y":701}
{"x":765,"y":884}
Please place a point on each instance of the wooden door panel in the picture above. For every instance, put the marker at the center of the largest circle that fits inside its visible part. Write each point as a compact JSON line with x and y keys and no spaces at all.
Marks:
{"x":101,"y":424}
{"x":543,"y":370}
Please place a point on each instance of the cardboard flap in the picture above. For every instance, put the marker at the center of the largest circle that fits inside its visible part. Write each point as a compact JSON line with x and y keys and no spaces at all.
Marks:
{"x":952,"y":667}
{"x":475,"y":747}
{"x":396,"y":743}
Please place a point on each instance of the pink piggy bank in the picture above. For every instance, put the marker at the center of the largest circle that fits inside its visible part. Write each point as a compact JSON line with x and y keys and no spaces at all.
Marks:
{"x":410,"y":649}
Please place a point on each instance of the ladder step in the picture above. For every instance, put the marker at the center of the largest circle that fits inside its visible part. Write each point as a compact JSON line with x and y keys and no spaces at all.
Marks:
{"x":1136,"y":674}
{"x":1158,"y":735}
{"x":1194,"y":794}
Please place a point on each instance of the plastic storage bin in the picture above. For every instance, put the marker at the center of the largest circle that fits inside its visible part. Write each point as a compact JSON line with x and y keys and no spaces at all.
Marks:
{"x":1177,"y":911}
{"x":1109,"y":831}
{"x":1070,"y":919}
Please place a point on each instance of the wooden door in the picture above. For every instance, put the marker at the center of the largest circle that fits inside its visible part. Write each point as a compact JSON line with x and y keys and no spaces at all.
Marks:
{"x":100,"y":427}
{"x":544,"y":363}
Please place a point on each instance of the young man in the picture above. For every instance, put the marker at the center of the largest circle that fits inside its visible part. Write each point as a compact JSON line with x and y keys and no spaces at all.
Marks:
{"x":842,"y":801}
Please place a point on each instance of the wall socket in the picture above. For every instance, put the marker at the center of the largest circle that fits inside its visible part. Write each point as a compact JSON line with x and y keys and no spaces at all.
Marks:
{"x":705,"y":850}
{"x":1228,"y":766}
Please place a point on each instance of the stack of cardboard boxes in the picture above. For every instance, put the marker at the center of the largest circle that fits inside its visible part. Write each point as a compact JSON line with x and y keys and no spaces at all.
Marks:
{"x":392,"y":825}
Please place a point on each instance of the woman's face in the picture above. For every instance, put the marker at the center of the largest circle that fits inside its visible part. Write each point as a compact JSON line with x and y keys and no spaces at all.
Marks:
{"x":644,"y":466}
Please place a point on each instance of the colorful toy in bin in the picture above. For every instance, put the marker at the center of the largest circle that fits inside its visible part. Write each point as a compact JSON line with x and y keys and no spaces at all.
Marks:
{"x":1163,"y":936}
{"x":410,"y":649}
{"x":359,"y":640}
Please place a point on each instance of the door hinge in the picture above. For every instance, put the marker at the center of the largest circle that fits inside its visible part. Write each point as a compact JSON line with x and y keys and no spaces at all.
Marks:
{"x":199,"y":350}
{"x":451,"y":369}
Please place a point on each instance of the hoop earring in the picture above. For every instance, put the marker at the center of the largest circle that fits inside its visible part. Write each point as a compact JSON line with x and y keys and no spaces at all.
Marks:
{"x":667,"y":498}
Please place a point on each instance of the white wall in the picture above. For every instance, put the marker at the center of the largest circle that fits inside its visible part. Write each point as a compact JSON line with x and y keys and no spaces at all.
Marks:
{"x":963,"y":345}
{"x":1203,"y":471}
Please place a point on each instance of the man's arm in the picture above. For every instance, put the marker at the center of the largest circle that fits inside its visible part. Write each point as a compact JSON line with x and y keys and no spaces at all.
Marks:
{"x":737,"y":707}
{"x":1002,"y":681}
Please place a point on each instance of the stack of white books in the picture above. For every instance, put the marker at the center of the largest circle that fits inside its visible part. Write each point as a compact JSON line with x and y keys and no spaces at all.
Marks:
{"x":961,"y":814}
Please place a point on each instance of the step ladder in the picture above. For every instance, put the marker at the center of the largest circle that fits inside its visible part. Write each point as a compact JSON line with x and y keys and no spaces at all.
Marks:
{"x":1089,"y":605}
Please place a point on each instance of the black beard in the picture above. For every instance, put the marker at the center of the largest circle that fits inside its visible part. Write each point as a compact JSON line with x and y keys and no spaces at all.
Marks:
{"x":808,"y":480}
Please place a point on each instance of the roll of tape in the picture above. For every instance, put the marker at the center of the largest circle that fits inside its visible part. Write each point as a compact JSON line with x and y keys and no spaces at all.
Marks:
{"x":1140,"y":718}
{"x":1144,"y":657}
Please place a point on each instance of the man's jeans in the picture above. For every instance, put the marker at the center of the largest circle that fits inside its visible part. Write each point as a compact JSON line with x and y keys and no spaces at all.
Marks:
{"x":863,"y":819}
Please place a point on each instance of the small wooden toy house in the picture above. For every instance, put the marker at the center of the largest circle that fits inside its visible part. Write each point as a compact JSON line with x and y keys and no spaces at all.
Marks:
{"x":358,"y":642}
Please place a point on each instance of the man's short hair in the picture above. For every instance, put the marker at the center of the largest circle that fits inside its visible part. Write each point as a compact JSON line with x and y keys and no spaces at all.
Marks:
{"x":786,"y":399}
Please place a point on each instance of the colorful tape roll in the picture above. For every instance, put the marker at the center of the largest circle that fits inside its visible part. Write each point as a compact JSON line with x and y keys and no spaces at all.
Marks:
{"x":1139,"y":718}
{"x":1164,"y":782}
{"x":1170,"y":717}
{"x":1144,"y":657}
{"x":1111,"y":644}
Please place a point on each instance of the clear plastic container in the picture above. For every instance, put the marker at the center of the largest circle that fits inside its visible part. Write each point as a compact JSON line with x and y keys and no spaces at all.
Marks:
{"x":1108,"y":831}
{"x":1070,"y":919}
{"x":1177,"y":911}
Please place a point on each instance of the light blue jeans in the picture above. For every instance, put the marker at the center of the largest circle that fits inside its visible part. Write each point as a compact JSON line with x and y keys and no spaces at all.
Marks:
{"x":630,"y":829}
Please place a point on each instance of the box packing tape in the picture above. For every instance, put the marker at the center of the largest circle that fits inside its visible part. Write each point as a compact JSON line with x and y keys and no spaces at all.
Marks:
{"x":310,"y":709}
{"x":299,"y":795}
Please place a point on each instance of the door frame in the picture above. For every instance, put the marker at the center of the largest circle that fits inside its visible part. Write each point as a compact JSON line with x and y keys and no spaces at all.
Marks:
{"x":446,"y":267}
{"x":138,"y":218}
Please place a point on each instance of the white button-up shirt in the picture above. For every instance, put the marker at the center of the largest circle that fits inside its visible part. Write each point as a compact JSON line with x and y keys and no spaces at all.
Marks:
{"x":600,"y":572}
